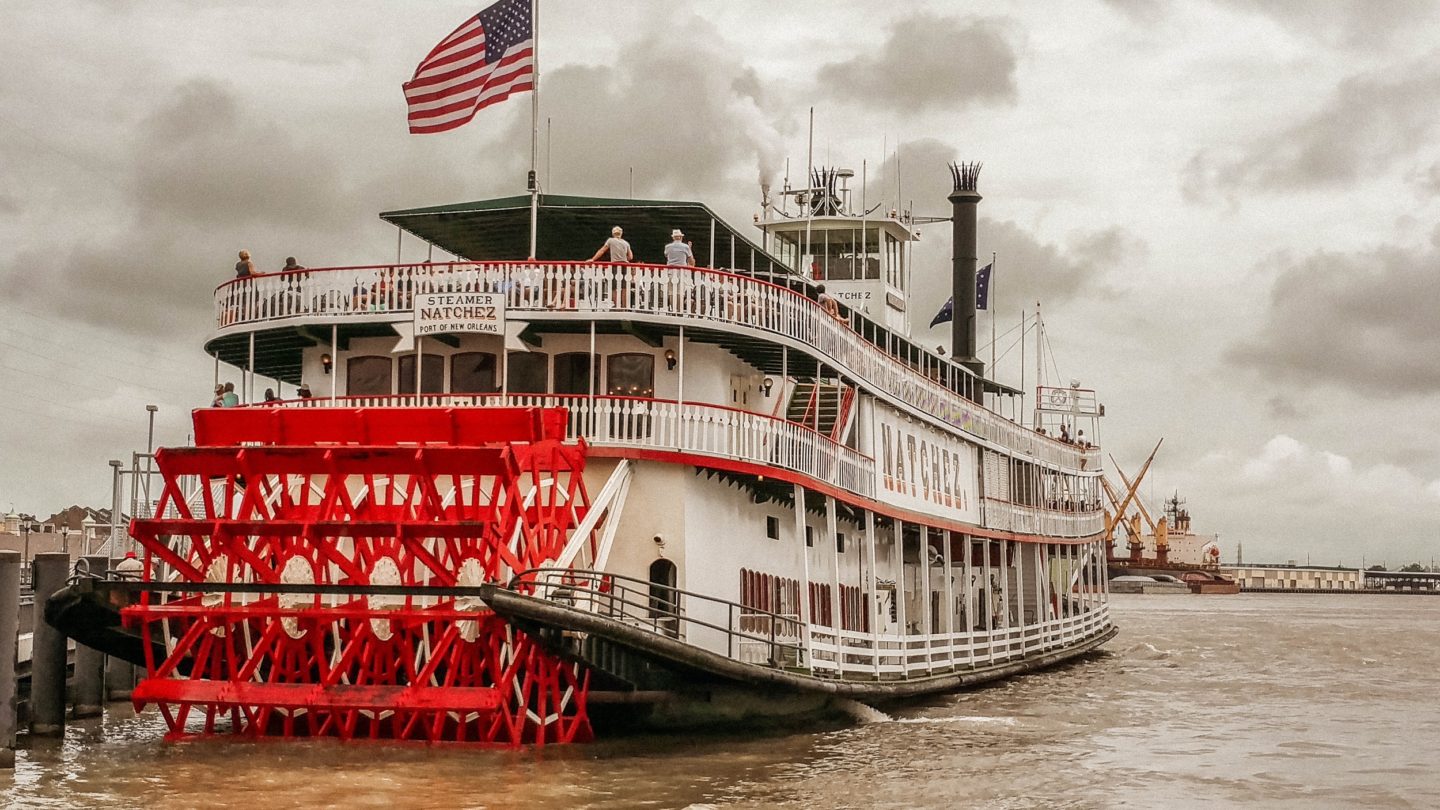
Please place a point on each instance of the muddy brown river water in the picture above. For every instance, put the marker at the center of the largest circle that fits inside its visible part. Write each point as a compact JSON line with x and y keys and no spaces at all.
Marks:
{"x":1229,"y":701}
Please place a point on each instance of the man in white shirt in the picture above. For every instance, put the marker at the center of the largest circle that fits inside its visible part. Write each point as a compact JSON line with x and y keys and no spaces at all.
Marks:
{"x":618,"y":248}
{"x":677,"y":252}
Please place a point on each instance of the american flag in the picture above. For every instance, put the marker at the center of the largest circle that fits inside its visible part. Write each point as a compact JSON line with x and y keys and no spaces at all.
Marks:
{"x":484,"y":61}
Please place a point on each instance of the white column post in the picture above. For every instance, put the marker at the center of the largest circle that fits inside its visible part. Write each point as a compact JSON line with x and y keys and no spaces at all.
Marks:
{"x":927,"y":611}
{"x":590,"y":425}
{"x":831,"y":532}
{"x":948,"y":537}
{"x":967,"y":550}
{"x":989,"y":599}
{"x":804,"y":575}
{"x":900,"y":611}
{"x":680,"y":364}
{"x":250,"y":371}
{"x":1020,"y":592}
{"x":1005,"y":591}
{"x":873,"y":603}
{"x":334,"y":359}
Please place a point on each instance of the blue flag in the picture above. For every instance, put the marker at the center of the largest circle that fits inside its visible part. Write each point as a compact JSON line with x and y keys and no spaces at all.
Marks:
{"x":982,"y":296}
{"x":946,"y":312}
{"x":982,"y":287}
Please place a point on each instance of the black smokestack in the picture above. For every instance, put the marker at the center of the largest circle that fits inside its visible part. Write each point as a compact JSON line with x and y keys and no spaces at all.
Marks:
{"x":964,"y":202}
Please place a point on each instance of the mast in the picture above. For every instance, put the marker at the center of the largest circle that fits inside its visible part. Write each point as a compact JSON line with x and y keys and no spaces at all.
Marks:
{"x":989,"y":299}
{"x":810,"y":189}
{"x":1039,"y":361}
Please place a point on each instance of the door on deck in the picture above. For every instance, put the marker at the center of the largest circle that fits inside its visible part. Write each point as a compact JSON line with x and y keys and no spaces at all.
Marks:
{"x":664,"y":601}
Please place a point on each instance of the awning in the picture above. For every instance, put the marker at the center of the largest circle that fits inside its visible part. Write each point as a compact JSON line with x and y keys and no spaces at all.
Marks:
{"x":573,"y":228}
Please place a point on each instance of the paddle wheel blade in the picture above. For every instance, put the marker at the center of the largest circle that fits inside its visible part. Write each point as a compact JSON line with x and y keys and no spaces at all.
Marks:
{"x":279,"y":505}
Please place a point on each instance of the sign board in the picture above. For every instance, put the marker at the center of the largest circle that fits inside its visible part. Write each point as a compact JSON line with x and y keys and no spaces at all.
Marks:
{"x":447,"y":313}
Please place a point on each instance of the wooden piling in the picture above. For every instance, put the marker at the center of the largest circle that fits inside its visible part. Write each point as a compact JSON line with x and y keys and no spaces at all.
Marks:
{"x":47,"y":657}
{"x":89,"y":662}
{"x":9,"y":650}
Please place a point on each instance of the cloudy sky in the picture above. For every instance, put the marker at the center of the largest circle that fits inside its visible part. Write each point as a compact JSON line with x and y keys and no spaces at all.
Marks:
{"x":1227,"y":207}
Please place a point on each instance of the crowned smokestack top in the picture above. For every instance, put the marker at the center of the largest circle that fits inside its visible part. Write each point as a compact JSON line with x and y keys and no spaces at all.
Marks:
{"x":966,"y":177}
{"x":964,"y":203}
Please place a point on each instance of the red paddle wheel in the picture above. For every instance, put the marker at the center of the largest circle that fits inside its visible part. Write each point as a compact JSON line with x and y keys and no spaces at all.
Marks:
{"x":324,"y":563}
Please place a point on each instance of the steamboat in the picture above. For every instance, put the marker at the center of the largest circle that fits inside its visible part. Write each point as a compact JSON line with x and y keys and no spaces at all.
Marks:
{"x":536,"y":498}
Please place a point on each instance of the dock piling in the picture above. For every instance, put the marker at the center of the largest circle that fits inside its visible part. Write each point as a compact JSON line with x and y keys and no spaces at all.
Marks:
{"x":9,"y":651}
{"x":47,"y":656}
{"x":90,"y":662}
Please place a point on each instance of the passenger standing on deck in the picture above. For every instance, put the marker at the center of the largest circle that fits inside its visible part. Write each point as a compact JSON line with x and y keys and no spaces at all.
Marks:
{"x":618,"y":248}
{"x":229,"y":399}
{"x":827,"y":302}
{"x":303,"y":392}
{"x":219,"y":400}
{"x":245,"y":268}
{"x":678,"y":252}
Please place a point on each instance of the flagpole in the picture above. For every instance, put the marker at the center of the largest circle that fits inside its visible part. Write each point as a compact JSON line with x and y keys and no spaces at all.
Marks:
{"x":533,"y":179}
{"x":1023,"y":330}
{"x":990,"y":299}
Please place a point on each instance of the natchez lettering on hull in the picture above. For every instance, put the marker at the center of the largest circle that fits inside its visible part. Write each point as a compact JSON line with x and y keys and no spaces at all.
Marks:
{"x":921,"y":469}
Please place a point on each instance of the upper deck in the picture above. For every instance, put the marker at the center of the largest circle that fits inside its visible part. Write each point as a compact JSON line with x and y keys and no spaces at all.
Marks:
{"x":773,"y":326}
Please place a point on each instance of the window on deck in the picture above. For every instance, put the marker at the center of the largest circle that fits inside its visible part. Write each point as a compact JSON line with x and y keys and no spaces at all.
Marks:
{"x":574,"y":372}
{"x":473,"y":373}
{"x":529,"y":373}
{"x":368,"y":376}
{"x":432,"y":374}
{"x":630,"y":375}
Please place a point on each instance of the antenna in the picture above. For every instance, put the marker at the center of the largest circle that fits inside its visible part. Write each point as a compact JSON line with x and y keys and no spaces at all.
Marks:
{"x":809,"y":178}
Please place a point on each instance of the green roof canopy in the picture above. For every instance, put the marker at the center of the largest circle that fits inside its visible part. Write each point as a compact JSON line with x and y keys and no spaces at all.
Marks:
{"x":573,"y":228}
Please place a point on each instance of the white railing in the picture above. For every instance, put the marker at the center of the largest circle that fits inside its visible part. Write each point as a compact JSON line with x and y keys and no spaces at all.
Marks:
{"x":653,"y":424}
{"x":855,"y":654}
{"x":1007,"y":516}
{"x":383,"y":292}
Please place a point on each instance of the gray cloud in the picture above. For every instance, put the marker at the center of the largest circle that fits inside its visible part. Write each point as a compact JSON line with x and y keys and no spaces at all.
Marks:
{"x":1425,"y":180}
{"x":1140,"y":11}
{"x":1029,"y":268}
{"x":704,"y":130}
{"x":928,"y":62}
{"x":1361,"y":322}
{"x":203,"y":159}
{"x":1368,"y":124}
{"x":206,"y":177}
{"x":1282,"y":409}
{"x":1344,"y":23}
{"x":1352,"y":23}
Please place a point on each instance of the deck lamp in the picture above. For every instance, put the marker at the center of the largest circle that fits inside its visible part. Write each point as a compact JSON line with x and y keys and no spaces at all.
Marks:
{"x":767,"y":384}
{"x":669,"y":359}
{"x":326,"y":362}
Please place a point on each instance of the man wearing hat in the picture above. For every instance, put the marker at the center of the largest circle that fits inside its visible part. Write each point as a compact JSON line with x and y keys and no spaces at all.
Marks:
{"x":677,"y":252}
{"x":616,"y":247}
